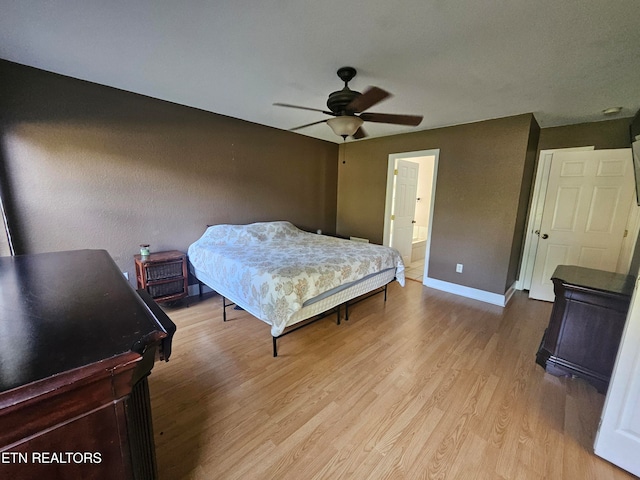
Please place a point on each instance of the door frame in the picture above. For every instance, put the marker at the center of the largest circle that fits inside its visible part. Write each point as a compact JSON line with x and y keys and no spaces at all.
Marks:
{"x":391,"y":166}
{"x":535,"y":218}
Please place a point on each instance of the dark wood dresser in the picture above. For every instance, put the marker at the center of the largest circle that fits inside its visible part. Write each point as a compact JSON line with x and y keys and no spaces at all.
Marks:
{"x":76,"y":346}
{"x":588,"y":316}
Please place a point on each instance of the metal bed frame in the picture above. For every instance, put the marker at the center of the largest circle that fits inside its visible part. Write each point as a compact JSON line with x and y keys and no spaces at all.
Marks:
{"x":310,"y":320}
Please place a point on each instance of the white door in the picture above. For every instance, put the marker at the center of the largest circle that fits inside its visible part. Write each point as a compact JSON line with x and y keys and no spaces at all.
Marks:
{"x":404,"y":208}
{"x":587,"y":204}
{"x":535,"y":212}
{"x":618,"y":438}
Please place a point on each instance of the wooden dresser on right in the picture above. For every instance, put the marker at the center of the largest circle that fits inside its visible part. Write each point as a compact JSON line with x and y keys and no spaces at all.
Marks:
{"x":588,"y":316}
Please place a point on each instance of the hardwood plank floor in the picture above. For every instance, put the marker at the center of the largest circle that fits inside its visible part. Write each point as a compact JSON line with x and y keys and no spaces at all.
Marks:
{"x":426,"y":385}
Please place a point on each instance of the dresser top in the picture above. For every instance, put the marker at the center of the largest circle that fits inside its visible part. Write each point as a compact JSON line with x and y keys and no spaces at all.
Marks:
{"x":65,"y":310}
{"x":589,"y":278}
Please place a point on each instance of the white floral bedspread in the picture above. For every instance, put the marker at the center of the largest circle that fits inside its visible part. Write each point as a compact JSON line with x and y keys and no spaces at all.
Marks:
{"x":272,"y":268}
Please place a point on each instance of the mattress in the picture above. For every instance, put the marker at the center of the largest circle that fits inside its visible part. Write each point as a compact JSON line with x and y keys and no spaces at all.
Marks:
{"x":280,"y":274}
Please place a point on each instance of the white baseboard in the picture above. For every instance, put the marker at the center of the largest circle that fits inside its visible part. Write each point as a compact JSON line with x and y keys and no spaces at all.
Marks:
{"x":509,"y":293}
{"x":474,"y":293}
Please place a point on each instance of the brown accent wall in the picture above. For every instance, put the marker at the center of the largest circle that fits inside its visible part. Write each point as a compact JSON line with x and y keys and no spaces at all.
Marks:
{"x":524,"y":203}
{"x":607,"y":134}
{"x":635,"y":126}
{"x":484,"y":178}
{"x":88,"y":166}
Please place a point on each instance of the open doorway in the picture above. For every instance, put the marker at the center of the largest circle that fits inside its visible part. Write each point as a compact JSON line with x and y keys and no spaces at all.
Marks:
{"x":414,"y":246}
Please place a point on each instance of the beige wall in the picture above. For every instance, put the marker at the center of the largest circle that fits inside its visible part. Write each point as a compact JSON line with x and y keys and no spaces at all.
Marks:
{"x":88,"y":166}
{"x":483,"y":180}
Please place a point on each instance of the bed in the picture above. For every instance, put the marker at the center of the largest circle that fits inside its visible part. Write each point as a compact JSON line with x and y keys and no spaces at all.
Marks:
{"x":284,"y":276}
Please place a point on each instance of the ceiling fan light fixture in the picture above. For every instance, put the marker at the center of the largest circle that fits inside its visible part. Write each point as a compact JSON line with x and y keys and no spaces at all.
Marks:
{"x":345,"y":125}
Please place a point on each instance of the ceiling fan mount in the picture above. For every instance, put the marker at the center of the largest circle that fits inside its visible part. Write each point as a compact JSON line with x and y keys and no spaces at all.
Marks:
{"x":348,"y":107}
{"x":340,"y":99}
{"x":346,"y":74}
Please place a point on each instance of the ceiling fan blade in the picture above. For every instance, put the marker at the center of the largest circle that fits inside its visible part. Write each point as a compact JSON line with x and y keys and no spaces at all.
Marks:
{"x":360,"y":133}
{"x":307,"y":125}
{"x":303,"y":108}
{"x":368,"y":99}
{"x":411,"y":120}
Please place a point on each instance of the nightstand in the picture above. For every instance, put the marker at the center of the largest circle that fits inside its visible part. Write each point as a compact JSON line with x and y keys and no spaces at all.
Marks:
{"x":163,"y":275}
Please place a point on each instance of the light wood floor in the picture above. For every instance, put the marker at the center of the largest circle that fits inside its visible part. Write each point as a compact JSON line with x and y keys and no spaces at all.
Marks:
{"x":426,"y":385}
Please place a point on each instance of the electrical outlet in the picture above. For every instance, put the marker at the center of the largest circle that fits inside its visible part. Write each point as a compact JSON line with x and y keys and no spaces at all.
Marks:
{"x":459,"y":268}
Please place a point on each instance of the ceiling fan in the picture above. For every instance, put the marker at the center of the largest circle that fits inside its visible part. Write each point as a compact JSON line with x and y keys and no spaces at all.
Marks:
{"x":348,"y":109}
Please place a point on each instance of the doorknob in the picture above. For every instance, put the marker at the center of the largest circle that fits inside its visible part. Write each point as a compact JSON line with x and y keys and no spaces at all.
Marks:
{"x":413,"y":221}
{"x":544,"y":236}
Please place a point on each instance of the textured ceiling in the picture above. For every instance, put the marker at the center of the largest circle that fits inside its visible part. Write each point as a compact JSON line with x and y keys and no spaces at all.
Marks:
{"x":451,"y":61}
